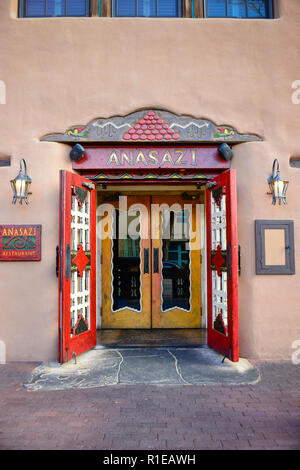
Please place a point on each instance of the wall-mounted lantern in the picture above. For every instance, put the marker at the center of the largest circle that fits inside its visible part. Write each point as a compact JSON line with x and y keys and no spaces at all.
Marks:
{"x":77,"y":153}
{"x":278,"y":185}
{"x":21,"y":184}
{"x":225,"y":151}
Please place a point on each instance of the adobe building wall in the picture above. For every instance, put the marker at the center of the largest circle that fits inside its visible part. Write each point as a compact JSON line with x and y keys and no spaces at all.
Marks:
{"x":61,"y":72}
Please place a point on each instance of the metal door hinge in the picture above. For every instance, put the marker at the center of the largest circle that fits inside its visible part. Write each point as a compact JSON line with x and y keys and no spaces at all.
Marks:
{"x":75,"y":357}
{"x":229,"y":261}
{"x":88,"y":185}
{"x":211,"y":184}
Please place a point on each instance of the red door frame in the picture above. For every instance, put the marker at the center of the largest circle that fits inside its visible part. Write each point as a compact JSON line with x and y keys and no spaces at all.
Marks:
{"x":84,"y":341}
{"x":226,"y":344}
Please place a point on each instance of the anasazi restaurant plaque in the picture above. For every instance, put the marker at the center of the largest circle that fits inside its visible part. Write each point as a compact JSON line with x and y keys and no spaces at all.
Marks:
{"x":20,"y":242}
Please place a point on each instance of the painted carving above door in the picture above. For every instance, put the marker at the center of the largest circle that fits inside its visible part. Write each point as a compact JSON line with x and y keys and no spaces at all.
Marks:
{"x":151,"y":126}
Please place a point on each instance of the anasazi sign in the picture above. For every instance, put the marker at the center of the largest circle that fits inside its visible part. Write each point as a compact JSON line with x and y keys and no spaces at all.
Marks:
{"x":149,"y":157}
{"x":156,"y":157}
{"x":20,"y":242}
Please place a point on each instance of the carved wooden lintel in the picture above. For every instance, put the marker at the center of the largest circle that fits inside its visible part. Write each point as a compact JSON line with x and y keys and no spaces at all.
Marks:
{"x":151,"y":126}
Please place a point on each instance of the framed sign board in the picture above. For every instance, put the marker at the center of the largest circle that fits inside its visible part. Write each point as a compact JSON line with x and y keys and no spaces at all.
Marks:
{"x":20,"y":242}
{"x":274,"y":243}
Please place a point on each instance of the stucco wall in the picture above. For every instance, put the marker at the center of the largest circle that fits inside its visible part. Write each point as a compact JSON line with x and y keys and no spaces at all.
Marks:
{"x":67,"y":71}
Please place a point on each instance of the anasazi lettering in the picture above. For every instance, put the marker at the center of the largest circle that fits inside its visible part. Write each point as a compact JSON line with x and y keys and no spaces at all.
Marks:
{"x":19,"y":232}
{"x":142,"y":158}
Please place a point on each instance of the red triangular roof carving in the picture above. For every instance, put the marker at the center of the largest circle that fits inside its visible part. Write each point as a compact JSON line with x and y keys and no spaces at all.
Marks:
{"x":151,"y":127}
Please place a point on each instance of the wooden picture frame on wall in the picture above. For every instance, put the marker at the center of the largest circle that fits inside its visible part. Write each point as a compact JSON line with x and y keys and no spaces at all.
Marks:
{"x":274,"y":244}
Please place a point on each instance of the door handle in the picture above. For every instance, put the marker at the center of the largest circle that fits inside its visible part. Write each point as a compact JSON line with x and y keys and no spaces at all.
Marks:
{"x":155,"y":260}
{"x":57,"y":261}
{"x":228,"y":261}
{"x":146,"y":260}
{"x":68,"y":262}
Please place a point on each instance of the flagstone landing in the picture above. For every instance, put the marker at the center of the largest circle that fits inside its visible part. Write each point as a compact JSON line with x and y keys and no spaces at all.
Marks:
{"x":148,"y":366}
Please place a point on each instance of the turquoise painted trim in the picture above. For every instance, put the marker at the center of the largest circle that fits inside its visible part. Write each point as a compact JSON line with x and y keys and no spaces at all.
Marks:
{"x":99,"y":7}
{"x":193,"y":11}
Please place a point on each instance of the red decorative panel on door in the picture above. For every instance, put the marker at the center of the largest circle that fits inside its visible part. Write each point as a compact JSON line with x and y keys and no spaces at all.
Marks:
{"x":77,"y":267}
{"x":222,"y":265}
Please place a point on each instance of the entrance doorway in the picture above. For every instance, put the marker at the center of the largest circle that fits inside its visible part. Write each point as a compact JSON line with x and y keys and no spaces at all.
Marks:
{"x":151,"y":263}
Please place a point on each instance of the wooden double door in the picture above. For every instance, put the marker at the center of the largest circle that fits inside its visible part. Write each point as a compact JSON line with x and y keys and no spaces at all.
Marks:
{"x":151,"y":270}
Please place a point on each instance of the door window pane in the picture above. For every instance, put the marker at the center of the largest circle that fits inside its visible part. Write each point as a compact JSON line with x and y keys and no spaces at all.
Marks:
{"x":216,"y":8}
{"x":35,"y":8}
{"x":56,"y":8}
{"x":237,"y":8}
{"x":257,"y":9}
{"x":147,"y":8}
{"x":80,"y":285}
{"x":167,"y":8}
{"x":76,"y":8}
{"x":176,"y":285}
{"x":126,"y":8}
{"x":38,"y":8}
{"x":126,"y":265}
{"x":218,"y":260}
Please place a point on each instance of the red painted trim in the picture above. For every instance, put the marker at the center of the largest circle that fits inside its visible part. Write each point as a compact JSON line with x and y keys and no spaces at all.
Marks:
{"x":86,"y":340}
{"x":233,"y":285}
{"x":136,"y":179}
{"x":217,"y":340}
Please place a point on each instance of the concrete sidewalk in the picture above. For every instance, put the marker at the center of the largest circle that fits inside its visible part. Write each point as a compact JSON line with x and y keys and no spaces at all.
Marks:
{"x":148,"y":366}
{"x":264,"y":415}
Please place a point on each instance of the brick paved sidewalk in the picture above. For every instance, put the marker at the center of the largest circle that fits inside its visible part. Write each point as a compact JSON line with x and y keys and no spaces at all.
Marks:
{"x":261,"y":416}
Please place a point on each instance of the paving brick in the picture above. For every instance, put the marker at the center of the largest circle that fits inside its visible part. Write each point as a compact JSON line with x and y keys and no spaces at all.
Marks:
{"x":207,"y":444}
{"x":261,"y":416}
{"x":240,"y":444}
